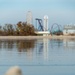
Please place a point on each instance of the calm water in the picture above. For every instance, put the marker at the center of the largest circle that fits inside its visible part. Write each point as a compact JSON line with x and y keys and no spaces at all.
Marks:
{"x":39,"y":56}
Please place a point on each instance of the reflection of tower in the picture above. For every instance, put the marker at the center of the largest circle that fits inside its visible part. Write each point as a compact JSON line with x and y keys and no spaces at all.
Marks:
{"x":30,"y":54}
{"x":46,"y":23}
{"x":45,"y":48}
{"x":29,"y":17}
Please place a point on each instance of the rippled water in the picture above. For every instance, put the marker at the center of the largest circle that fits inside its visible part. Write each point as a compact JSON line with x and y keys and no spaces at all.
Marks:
{"x":39,"y":56}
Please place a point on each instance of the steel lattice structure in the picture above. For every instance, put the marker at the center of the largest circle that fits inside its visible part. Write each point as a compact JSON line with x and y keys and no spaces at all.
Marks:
{"x":39,"y":25}
{"x":29,"y":17}
{"x":58,"y":27}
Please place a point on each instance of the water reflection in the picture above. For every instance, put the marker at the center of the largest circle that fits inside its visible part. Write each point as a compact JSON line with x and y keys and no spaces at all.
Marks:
{"x":51,"y":55}
{"x":56,"y":43}
{"x":8,"y":44}
{"x":45,"y":48}
{"x":69,"y":43}
{"x":42,"y":47}
{"x":21,"y":45}
{"x":26,"y":45}
{"x":37,"y":48}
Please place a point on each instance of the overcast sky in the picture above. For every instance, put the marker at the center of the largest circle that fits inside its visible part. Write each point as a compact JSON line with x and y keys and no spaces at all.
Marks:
{"x":59,"y":11}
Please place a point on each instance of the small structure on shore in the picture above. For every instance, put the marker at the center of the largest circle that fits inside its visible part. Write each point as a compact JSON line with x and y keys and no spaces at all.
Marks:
{"x":69,"y":30}
{"x":44,"y":33}
{"x":14,"y":71}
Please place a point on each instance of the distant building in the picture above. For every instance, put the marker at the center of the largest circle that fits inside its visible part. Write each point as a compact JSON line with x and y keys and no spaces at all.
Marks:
{"x":42,"y":33}
{"x":69,"y":30}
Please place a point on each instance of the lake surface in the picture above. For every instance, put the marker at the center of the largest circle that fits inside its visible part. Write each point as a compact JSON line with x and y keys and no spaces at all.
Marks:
{"x":39,"y":56}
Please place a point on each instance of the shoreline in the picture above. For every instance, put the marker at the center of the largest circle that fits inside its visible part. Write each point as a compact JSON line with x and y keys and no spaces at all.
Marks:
{"x":35,"y":37}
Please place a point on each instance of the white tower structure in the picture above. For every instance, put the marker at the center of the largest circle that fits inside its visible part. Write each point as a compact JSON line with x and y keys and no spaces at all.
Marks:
{"x":45,"y":23}
{"x":29,"y":18}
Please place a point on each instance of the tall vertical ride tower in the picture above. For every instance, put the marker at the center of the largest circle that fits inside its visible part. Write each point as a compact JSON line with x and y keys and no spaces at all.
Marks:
{"x":45,"y":23}
{"x":29,"y":18}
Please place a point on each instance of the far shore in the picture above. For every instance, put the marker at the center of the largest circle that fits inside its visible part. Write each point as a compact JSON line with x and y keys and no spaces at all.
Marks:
{"x":35,"y":37}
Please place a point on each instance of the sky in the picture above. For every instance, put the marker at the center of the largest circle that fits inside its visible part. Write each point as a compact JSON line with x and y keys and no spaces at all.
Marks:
{"x":58,"y":11}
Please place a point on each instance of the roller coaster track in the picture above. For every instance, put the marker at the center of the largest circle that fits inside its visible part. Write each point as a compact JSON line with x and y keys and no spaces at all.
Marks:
{"x":40,"y":28}
{"x":58,"y":26}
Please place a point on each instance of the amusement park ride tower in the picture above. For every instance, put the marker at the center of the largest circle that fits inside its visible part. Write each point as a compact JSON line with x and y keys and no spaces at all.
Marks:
{"x":43,"y":27}
{"x":46,"y":23}
{"x":46,"y":26}
{"x":29,"y":18}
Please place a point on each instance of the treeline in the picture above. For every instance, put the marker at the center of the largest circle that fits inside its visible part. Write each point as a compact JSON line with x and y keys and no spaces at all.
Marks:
{"x":20,"y":29}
